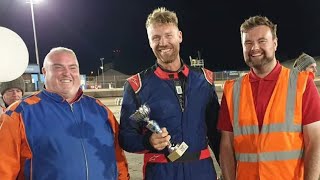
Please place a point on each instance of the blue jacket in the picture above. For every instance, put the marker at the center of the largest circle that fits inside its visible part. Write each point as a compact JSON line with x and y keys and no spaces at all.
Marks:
{"x":45,"y":137}
{"x":190,"y":118}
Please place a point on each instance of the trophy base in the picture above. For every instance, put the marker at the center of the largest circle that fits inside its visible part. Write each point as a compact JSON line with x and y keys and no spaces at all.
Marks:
{"x":176,"y":154}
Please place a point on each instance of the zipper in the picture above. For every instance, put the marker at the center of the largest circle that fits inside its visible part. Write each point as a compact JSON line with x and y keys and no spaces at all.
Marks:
{"x":71,"y":107}
{"x":82,"y":145}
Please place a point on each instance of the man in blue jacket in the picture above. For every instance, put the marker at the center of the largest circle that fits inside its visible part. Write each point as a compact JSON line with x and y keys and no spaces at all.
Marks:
{"x":182,"y":101}
{"x":60,"y":133}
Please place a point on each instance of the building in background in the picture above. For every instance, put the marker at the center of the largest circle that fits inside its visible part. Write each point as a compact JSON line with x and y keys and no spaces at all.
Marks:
{"x":109,"y":80}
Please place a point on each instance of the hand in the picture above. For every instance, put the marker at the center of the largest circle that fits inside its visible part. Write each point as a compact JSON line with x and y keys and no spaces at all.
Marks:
{"x":161,"y":140}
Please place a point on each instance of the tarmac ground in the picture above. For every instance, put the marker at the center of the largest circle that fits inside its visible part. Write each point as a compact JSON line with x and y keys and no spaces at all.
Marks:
{"x":135,"y":161}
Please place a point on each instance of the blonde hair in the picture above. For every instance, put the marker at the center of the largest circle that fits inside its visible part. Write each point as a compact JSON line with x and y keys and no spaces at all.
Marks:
{"x":162,"y":16}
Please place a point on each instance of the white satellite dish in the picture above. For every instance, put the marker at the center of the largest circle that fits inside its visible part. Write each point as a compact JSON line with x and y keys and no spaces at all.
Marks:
{"x":14,"y":56}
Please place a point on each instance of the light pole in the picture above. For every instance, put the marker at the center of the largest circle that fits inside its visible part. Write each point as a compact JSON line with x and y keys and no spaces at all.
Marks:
{"x":97,"y":79}
{"x":101,"y":59}
{"x":35,"y":40}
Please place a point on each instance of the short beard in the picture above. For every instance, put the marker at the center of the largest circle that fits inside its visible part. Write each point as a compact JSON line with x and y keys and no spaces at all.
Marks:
{"x":260,"y":64}
{"x":167,"y":59}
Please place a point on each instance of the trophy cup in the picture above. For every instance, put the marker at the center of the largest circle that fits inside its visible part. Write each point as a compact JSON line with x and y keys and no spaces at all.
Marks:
{"x":142,"y":114}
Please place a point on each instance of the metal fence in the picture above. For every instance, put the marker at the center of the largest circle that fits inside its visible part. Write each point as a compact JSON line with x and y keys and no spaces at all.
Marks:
{"x":117,"y":81}
{"x":226,"y":75}
{"x":108,"y":82}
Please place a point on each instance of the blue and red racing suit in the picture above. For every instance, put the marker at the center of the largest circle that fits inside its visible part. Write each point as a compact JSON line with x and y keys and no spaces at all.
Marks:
{"x":190,"y":116}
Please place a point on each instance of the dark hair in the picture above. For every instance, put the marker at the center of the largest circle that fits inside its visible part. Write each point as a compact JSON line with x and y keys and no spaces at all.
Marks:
{"x":258,"y":21}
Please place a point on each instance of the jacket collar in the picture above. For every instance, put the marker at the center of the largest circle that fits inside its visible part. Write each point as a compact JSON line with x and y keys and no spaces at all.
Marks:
{"x":58,"y":98}
{"x":166,"y":74}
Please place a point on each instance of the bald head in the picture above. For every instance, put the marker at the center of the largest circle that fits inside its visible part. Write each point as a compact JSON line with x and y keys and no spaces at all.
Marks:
{"x":55,"y":51}
{"x":61,"y":72}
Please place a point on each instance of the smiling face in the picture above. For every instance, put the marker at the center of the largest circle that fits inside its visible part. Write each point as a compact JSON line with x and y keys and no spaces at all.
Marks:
{"x":62,"y":76}
{"x":164,"y":40}
{"x":259,"y":47}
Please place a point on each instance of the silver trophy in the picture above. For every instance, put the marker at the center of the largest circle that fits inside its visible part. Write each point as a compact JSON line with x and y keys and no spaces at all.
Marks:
{"x":142,"y":114}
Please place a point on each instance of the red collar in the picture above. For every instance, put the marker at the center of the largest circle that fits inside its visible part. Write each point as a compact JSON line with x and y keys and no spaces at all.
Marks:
{"x":272,"y":76}
{"x":166,"y":75}
{"x":77,"y":97}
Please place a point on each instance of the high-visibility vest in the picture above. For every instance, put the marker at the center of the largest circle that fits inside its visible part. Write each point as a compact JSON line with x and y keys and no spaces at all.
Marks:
{"x":275,"y":151}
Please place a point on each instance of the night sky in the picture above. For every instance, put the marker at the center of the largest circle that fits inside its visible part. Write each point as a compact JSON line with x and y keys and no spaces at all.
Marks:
{"x":115,"y":29}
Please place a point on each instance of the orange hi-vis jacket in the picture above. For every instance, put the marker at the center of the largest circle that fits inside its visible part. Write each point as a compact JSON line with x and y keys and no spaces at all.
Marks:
{"x":2,"y":109}
{"x":275,"y":151}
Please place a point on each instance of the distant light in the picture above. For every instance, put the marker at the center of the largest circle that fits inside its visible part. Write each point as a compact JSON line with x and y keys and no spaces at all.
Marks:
{"x":101,"y":67}
{"x":34,"y":1}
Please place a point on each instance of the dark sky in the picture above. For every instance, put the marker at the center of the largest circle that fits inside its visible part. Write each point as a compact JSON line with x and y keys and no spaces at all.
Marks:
{"x":96,"y":28}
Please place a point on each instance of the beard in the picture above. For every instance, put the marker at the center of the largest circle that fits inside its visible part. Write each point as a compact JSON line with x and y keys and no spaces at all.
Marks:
{"x":259,"y":62}
{"x":167,"y":57}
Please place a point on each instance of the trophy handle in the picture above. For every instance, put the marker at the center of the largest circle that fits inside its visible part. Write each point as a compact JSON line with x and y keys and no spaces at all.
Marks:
{"x":142,"y":114}
{"x":154,"y":126}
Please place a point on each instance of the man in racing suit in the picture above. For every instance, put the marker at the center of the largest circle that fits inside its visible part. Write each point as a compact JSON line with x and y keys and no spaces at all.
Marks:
{"x":182,"y":101}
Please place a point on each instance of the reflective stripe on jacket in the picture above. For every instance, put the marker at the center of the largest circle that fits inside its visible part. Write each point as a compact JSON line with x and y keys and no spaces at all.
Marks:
{"x":275,"y":151}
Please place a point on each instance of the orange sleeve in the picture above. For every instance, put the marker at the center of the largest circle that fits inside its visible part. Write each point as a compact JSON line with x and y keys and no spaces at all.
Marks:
{"x":2,"y":110}
{"x":120,"y":156}
{"x":13,"y":145}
